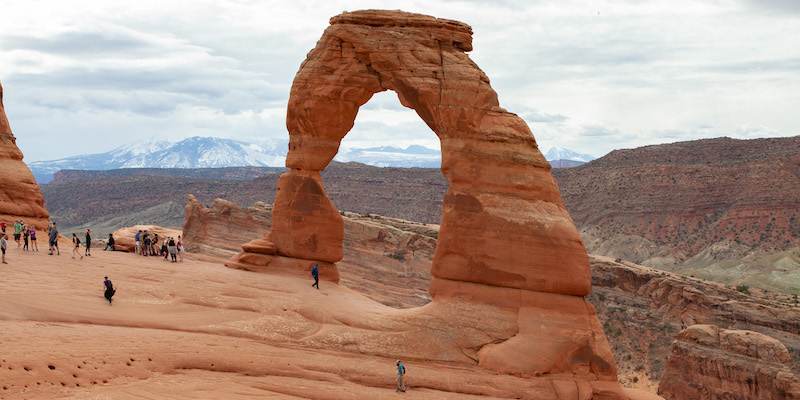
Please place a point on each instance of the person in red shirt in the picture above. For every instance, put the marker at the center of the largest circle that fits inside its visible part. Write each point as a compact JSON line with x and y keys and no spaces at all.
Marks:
{"x":3,"y":226}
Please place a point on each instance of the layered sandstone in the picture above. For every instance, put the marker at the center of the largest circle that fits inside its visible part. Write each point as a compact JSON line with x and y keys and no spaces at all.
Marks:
{"x":124,"y":238}
{"x":19,"y":194}
{"x":506,"y":241}
{"x":712,"y":363}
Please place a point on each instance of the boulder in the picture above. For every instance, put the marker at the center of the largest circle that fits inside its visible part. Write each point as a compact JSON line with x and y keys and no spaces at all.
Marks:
{"x":712,"y":363}
{"x":20,"y":198}
{"x":124,"y":238}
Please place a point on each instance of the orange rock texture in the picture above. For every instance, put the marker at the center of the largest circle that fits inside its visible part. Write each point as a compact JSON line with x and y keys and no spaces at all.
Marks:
{"x":508,"y":253}
{"x":19,"y":194}
{"x":712,"y":363}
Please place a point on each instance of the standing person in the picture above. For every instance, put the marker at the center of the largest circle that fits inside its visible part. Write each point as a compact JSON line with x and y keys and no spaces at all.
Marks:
{"x":3,"y":227}
{"x":315,"y":274}
{"x":110,"y":244}
{"x":3,"y":245}
{"x":145,"y":243}
{"x":173,"y":250}
{"x":54,"y":239}
{"x":75,"y":250}
{"x":138,"y":242}
{"x":88,"y":242}
{"x":17,"y":230}
{"x":25,"y":234}
{"x":401,"y":371}
{"x":109,"y":291}
{"x":180,"y":249}
{"x":33,"y":239}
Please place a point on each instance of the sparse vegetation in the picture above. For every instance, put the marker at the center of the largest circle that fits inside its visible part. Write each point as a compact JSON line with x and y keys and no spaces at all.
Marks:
{"x":743,"y":289}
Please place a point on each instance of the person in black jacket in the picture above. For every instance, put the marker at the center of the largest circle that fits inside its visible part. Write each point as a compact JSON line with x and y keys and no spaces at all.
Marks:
{"x":109,"y":290}
{"x":110,"y":243}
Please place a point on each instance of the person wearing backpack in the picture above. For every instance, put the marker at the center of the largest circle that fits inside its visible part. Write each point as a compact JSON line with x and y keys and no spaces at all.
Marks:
{"x":109,"y":290}
{"x":315,"y":274}
{"x":401,"y":371}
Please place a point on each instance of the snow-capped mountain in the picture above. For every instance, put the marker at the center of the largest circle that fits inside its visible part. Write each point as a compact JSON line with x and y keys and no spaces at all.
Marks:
{"x":555,"y":153}
{"x":390,"y":156}
{"x":209,"y":152}
{"x":194,"y":152}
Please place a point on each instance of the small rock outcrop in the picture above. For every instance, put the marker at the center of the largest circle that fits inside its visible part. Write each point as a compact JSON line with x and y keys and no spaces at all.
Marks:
{"x":712,"y":363}
{"x":124,"y":238}
{"x":19,"y":194}
{"x":506,"y":240}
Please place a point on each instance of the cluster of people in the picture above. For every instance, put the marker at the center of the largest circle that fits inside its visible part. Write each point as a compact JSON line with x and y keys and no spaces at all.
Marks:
{"x":147,"y":245}
{"x":24,"y":235}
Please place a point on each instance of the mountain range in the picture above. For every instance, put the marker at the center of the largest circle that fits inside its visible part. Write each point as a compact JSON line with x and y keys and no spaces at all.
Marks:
{"x":210,"y":152}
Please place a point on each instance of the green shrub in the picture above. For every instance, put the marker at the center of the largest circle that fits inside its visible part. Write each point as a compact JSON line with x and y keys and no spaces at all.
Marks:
{"x":743,"y":289}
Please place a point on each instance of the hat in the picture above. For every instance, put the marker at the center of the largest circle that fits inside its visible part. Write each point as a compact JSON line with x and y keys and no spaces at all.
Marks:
{"x":398,"y":360}
{"x":316,"y":265}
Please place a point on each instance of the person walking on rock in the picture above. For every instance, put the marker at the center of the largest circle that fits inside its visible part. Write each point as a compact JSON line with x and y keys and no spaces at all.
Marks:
{"x":54,"y":239}
{"x":3,"y":245}
{"x":26,"y":233}
{"x":75,"y":250}
{"x":88,"y":252}
{"x":109,"y":290}
{"x":401,"y":371}
{"x":315,"y":274}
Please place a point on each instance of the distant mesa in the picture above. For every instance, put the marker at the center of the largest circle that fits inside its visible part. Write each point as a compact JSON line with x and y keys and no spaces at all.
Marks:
{"x":507,"y":249}
{"x":19,"y":194}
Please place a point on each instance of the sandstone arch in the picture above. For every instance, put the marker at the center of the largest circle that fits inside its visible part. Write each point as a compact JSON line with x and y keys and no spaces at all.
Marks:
{"x":506,"y":240}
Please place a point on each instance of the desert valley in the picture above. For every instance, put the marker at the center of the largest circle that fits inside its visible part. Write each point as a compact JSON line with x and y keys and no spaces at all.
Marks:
{"x":475,"y":276}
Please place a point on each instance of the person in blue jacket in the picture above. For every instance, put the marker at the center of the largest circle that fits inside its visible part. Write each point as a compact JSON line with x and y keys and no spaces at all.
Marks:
{"x":401,"y":371}
{"x":315,"y":274}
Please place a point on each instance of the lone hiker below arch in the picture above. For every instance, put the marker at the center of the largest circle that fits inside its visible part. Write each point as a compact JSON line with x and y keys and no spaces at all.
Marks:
{"x":505,"y":240}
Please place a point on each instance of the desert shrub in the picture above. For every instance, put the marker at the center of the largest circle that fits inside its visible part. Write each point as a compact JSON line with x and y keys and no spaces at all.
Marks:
{"x":743,"y":289}
{"x":397,"y":256}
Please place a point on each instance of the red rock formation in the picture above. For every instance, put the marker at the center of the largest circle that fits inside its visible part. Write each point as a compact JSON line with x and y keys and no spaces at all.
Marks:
{"x":19,"y":194}
{"x":506,"y":239}
{"x":712,"y":363}
{"x":124,"y":238}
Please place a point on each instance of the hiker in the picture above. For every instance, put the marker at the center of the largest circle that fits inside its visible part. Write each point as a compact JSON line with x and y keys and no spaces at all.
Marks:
{"x":109,"y":290}
{"x":33,"y":239}
{"x":77,"y":242}
{"x":138,"y":243}
{"x":3,"y":227}
{"x":25,"y":235}
{"x":315,"y":274}
{"x":173,"y":250}
{"x":17,"y":230}
{"x":145,"y":243}
{"x":180,"y":249}
{"x":88,"y":242}
{"x":110,"y":243}
{"x":401,"y":370}
{"x":54,"y":239}
{"x":3,"y":245}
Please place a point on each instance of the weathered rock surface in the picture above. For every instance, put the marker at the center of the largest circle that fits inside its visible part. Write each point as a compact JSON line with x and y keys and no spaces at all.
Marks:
{"x":124,"y":238}
{"x":712,"y":363}
{"x":506,"y":241}
{"x":19,"y":194}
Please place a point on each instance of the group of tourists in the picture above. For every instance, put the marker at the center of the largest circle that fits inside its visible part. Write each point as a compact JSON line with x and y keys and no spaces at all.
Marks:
{"x":24,"y":235}
{"x":169,"y":248}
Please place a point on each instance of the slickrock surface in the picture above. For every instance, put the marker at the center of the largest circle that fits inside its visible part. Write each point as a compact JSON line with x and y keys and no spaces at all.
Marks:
{"x":712,"y":363}
{"x":200,"y":330}
{"x":506,"y":240}
{"x":19,"y":194}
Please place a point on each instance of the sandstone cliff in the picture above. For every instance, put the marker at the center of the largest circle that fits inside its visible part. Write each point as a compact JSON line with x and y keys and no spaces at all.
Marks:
{"x":19,"y":195}
{"x":718,"y":364}
{"x":713,"y":208}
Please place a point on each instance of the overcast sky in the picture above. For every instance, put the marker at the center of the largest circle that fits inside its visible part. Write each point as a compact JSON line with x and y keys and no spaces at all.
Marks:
{"x":84,"y":77}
